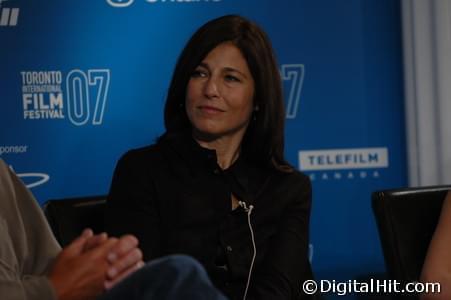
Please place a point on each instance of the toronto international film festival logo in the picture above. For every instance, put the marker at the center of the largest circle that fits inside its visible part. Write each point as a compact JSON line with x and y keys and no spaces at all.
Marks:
{"x":83,"y":95}
{"x":51,"y":95}
{"x":8,"y":16}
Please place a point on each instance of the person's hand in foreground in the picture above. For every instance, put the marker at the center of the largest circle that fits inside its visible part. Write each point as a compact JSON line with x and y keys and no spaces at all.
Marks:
{"x":93,"y":263}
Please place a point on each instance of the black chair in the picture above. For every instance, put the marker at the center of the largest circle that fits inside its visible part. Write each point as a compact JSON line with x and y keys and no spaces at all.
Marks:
{"x":406,"y":219}
{"x":68,"y":217}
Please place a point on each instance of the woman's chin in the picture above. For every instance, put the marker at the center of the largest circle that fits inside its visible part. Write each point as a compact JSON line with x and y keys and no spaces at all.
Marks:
{"x":206,"y":134}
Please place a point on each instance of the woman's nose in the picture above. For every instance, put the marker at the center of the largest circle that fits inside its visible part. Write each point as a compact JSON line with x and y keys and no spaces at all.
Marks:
{"x":211,"y":88}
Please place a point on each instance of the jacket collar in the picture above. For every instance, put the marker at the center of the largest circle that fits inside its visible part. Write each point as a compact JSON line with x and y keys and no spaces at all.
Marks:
{"x":242,"y":175}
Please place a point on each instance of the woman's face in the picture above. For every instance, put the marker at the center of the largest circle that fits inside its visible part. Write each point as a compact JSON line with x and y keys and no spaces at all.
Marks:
{"x":219,"y":95}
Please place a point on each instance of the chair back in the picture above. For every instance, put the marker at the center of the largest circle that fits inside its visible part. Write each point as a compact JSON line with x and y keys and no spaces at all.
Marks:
{"x":406,"y":219}
{"x":68,"y":217}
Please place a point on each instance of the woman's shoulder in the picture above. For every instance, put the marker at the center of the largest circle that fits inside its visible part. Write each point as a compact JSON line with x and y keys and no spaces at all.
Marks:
{"x":299,"y":176}
{"x":292,"y":176}
{"x":141,"y":158}
{"x":141,"y":154}
{"x":289,"y":183}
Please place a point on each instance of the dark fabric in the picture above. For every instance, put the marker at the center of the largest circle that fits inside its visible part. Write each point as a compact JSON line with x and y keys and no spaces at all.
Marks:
{"x":173,"y":277}
{"x":174,"y":197}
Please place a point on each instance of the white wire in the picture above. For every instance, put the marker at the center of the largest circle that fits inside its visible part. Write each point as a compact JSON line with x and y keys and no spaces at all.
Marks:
{"x":249,"y":211}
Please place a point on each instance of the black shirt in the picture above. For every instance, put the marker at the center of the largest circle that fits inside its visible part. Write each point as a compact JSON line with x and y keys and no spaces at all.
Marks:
{"x":176,"y":199}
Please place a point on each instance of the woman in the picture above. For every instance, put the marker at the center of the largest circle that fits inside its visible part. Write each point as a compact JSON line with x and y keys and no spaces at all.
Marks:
{"x":216,"y":185}
{"x":437,"y":266}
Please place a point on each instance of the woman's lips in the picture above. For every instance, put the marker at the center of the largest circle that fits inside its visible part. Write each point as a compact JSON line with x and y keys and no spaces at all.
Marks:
{"x":210,"y":109}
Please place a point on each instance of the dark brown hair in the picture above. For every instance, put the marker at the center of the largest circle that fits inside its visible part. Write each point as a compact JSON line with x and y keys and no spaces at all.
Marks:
{"x":264,"y":138}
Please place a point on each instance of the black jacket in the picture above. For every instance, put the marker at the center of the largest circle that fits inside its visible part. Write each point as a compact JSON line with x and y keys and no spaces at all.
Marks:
{"x":174,"y":197}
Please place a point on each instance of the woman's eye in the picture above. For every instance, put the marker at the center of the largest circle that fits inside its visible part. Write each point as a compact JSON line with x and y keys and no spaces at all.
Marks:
{"x":232,"y":78}
{"x":198,"y":73}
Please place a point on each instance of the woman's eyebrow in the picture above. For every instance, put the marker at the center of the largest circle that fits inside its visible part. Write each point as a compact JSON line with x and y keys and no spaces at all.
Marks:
{"x":227,"y":69}
{"x":230,"y":69}
{"x":204,"y":65}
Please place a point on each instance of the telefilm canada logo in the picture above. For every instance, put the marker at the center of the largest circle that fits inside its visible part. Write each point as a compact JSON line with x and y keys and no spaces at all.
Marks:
{"x":337,"y":164}
{"x":8,"y":15}
{"x":79,"y":96}
{"x":125,"y":3}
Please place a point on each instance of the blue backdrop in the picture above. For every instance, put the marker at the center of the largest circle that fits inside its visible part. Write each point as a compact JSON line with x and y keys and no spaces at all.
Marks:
{"x":81,"y":82}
